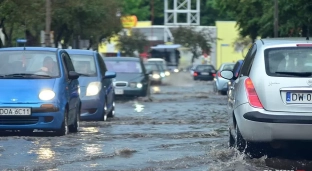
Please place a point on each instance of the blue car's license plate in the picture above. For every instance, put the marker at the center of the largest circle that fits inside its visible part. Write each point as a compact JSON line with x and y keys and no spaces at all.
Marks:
{"x":15,"y":111}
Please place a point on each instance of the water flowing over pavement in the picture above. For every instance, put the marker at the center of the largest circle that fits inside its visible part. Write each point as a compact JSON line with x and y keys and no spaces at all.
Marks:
{"x":184,"y":127}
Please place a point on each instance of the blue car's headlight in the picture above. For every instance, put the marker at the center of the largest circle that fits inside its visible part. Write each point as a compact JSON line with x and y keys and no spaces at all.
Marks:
{"x":46,"y":95}
{"x":93,"y":88}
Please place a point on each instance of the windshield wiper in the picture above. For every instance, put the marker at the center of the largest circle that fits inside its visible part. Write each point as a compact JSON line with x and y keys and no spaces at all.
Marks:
{"x":88,"y":75}
{"x":300,"y":74}
{"x":25,"y":75}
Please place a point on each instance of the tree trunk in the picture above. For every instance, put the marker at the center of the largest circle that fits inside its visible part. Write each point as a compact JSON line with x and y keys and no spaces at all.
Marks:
{"x":4,"y":32}
{"x":60,"y":33}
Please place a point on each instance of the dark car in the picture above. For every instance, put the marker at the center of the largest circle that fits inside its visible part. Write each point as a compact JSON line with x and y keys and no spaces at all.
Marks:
{"x":132,"y":78}
{"x":96,"y":85}
{"x":204,"y":72}
{"x":157,"y":73}
{"x":236,"y":70}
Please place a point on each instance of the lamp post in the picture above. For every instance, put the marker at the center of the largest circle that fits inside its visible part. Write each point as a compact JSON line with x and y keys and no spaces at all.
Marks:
{"x":48,"y":23}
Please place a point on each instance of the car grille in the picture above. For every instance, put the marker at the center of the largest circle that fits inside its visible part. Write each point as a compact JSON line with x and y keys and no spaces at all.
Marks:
{"x":121,"y":84}
{"x":18,"y":120}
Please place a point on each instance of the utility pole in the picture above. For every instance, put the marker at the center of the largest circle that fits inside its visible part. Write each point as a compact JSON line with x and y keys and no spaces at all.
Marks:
{"x":48,"y":23}
{"x":275,"y":18}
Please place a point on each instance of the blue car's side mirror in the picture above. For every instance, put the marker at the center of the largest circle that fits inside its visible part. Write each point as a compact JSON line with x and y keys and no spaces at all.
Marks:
{"x":110,"y":74}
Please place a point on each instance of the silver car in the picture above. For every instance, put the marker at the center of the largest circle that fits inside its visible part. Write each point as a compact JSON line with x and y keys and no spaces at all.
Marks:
{"x":220,"y":84}
{"x":271,"y":100}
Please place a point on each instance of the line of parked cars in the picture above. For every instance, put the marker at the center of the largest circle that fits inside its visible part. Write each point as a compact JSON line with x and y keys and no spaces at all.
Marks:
{"x":53,"y":89}
{"x":269,"y":98}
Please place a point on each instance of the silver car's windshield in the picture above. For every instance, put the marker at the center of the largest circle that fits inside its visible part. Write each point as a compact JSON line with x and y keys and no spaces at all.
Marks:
{"x":120,"y":66}
{"x":27,"y":64}
{"x":289,"y":62}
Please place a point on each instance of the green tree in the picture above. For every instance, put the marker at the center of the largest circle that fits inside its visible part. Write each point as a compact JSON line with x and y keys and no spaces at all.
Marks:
{"x":21,"y":19}
{"x":196,"y":40}
{"x":93,"y":20}
{"x":129,"y":44}
{"x":210,"y":13}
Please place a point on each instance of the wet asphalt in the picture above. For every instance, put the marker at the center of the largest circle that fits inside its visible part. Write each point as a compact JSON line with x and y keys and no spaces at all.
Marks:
{"x":183,"y":128}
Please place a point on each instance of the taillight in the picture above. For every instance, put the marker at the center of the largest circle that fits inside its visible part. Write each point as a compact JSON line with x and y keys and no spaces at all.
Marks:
{"x":213,"y":75}
{"x":252,"y":94}
{"x":219,"y":74}
{"x":195,"y":74}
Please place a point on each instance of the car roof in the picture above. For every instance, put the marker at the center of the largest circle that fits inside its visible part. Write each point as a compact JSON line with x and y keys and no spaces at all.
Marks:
{"x":122,"y":58}
{"x":80,"y":51}
{"x":51,"y":49}
{"x":286,"y":40}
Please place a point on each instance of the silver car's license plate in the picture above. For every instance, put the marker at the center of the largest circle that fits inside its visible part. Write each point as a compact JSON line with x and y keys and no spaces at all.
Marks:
{"x":119,"y":91}
{"x":15,"y":111}
{"x":298,"y":97}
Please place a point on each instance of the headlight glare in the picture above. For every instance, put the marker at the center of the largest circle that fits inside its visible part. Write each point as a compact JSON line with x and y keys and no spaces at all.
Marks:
{"x":46,"y":95}
{"x":162,"y":74}
{"x":156,"y":76}
{"x":139,"y":85}
{"x":167,"y":73}
{"x":93,"y":88}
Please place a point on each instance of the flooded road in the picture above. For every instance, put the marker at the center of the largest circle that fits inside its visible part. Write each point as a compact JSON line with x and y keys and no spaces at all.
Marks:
{"x":184,"y":127}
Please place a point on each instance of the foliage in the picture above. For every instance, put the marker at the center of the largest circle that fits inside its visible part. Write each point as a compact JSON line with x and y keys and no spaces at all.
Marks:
{"x":94,"y":19}
{"x":241,"y":43}
{"x":197,"y":40}
{"x":256,"y":17}
{"x":86,"y":19}
{"x":128,"y":44}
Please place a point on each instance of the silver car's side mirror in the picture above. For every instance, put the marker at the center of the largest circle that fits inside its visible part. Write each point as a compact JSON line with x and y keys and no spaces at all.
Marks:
{"x":227,"y":74}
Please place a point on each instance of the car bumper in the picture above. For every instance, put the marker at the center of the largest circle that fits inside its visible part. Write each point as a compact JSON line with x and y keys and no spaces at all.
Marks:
{"x":204,"y":77}
{"x":42,"y":117}
{"x":128,"y":91}
{"x":92,"y":108}
{"x":264,"y":126}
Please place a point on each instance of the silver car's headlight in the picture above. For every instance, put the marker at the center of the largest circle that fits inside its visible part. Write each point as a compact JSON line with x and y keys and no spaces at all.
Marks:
{"x":46,"y":95}
{"x":162,"y":74}
{"x":136,"y":85}
{"x":93,"y":88}
{"x":167,"y":73}
{"x":156,"y":76}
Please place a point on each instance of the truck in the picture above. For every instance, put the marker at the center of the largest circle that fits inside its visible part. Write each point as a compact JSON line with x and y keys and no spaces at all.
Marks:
{"x":170,"y":53}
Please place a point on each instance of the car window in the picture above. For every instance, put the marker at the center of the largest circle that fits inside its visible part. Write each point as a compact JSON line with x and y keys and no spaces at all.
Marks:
{"x":228,"y":67}
{"x":204,"y":68}
{"x":29,"y":62}
{"x":120,"y":66}
{"x":288,"y":59}
{"x":162,"y":63}
{"x":84,"y":64}
{"x":245,"y":69}
{"x":151,"y":67}
{"x":102,"y":65}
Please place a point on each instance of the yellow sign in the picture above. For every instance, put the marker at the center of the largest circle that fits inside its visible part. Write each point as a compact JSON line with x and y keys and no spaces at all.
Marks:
{"x":129,"y":21}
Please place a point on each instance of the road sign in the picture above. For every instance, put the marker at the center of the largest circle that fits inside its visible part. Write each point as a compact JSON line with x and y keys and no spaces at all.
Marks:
{"x":225,"y":45}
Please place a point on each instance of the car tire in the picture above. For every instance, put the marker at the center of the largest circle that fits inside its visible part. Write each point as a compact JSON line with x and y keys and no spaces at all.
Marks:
{"x":231,"y":139}
{"x":111,"y":114}
{"x":254,"y":150}
{"x":75,"y":126}
{"x":64,"y":127}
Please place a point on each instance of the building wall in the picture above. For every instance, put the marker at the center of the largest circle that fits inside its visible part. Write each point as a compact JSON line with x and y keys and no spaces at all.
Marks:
{"x":227,"y":33}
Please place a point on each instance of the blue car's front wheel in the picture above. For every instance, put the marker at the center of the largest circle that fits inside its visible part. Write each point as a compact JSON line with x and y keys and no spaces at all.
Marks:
{"x":64,"y":127}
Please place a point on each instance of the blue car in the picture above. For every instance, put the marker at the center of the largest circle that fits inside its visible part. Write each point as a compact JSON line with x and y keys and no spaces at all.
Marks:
{"x":39,"y":90}
{"x":96,"y":85}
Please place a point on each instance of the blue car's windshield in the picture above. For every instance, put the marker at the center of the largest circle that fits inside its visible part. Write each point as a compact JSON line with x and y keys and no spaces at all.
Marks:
{"x":28,"y":64}
{"x":84,"y":64}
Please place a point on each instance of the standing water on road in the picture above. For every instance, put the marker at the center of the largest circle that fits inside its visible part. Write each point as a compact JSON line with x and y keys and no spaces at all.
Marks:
{"x":184,"y":127}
